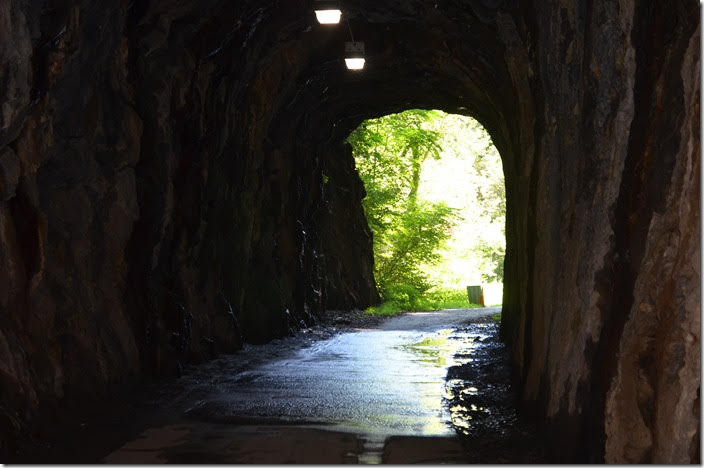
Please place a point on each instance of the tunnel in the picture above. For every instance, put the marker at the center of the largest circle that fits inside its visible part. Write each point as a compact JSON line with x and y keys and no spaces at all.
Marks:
{"x":162,"y":198}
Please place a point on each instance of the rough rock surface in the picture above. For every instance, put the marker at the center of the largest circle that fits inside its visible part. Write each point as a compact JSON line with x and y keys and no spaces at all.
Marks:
{"x":173,"y":181}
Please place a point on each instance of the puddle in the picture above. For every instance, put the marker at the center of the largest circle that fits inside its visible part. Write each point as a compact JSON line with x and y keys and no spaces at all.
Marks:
{"x":419,"y":388}
{"x":376,"y":383}
{"x":382,"y":382}
{"x":420,"y":375}
{"x":478,"y":391}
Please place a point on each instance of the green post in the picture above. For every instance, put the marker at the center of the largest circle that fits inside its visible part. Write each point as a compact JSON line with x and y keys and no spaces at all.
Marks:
{"x":475,"y":294}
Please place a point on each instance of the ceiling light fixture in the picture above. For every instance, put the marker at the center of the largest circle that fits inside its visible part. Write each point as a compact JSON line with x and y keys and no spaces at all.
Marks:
{"x":327,"y":11}
{"x":354,"y":55}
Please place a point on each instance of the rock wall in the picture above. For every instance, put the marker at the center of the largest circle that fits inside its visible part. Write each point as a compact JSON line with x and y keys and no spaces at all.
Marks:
{"x":606,"y":330}
{"x":152,"y":212}
{"x":173,"y":181}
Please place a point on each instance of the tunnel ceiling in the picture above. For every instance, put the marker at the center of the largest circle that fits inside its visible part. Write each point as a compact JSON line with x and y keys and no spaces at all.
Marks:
{"x":162,"y":196}
{"x":419,"y":54}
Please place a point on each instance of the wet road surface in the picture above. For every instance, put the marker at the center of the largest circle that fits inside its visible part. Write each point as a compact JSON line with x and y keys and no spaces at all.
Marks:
{"x":401,"y":392}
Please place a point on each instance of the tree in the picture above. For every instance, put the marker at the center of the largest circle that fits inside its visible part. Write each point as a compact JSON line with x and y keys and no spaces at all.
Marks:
{"x":389,"y":153}
{"x":413,"y":259}
{"x":491,"y":197}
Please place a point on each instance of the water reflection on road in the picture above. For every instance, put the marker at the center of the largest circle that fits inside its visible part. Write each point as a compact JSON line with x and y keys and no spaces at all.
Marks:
{"x":388,"y":381}
{"x":375,"y":383}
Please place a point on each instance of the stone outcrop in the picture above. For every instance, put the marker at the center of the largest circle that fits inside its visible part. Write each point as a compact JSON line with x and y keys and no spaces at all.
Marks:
{"x":153,"y":210}
{"x":174,"y":181}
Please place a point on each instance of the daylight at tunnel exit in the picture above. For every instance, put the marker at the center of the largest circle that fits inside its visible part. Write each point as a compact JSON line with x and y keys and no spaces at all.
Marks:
{"x":339,"y":231}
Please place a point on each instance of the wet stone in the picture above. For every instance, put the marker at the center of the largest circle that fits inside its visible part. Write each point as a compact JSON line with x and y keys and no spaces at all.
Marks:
{"x":482,"y":402}
{"x":478,"y":395}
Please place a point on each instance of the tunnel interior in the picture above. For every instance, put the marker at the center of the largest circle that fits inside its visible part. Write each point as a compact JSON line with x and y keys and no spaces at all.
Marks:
{"x":161,"y":195}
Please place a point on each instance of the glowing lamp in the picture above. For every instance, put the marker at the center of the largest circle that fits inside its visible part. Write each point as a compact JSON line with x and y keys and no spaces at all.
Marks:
{"x":328,"y":16}
{"x":354,"y":63}
{"x":354,"y":55}
{"x":327,"y":12}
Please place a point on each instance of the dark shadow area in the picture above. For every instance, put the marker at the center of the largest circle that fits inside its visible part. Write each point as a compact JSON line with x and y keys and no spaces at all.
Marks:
{"x":483,"y":404}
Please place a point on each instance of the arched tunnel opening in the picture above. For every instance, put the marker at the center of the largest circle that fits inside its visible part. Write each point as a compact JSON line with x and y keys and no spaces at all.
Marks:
{"x":435,"y":204}
{"x":162,"y":199}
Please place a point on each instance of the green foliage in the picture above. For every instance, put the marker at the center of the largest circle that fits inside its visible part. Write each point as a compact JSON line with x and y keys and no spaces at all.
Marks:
{"x":411,"y":224}
{"x":496,"y":317}
{"x":389,"y":153}
{"x":386,"y":308}
{"x":413,"y":240}
{"x":491,"y":260}
{"x":404,"y":298}
{"x":491,"y":197}
{"x":490,"y":190}
{"x":449,"y":299}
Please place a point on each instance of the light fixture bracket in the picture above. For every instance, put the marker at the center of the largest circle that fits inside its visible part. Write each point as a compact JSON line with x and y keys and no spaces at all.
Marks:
{"x":326,"y":5}
{"x":354,"y":49}
{"x":354,"y":55}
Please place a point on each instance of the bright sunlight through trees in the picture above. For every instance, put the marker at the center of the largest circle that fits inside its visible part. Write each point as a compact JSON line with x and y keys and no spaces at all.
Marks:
{"x":436,"y":205}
